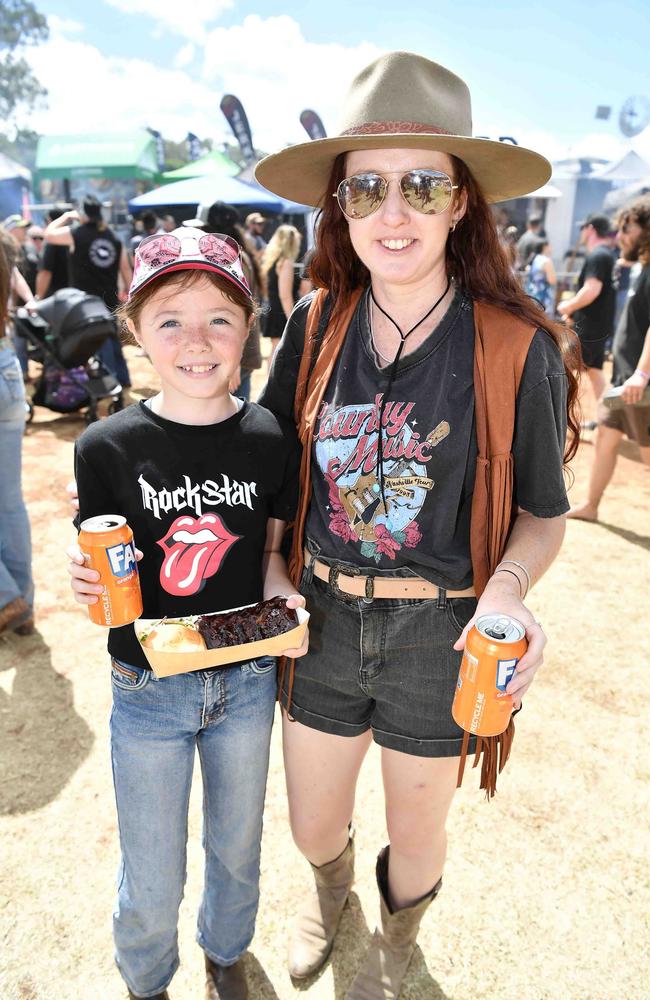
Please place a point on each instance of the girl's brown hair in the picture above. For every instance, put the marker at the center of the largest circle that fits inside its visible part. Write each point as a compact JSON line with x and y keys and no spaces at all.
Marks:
{"x":181,"y":279}
{"x":475,"y":259}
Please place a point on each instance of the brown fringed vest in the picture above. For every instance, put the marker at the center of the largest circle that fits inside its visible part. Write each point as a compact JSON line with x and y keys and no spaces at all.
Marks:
{"x":500,"y":350}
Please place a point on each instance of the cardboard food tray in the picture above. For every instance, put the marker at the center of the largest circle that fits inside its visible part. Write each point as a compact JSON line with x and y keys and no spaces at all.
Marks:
{"x":166,"y":664}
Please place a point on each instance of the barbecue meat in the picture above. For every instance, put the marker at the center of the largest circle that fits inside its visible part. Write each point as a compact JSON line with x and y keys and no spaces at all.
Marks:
{"x":261,"y":621}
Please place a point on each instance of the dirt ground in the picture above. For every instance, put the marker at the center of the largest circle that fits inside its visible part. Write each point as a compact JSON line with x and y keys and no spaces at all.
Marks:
{"x":546,"y":894}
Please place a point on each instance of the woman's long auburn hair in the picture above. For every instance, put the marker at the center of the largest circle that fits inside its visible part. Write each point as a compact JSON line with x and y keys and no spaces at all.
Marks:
{"x":475,"y":259}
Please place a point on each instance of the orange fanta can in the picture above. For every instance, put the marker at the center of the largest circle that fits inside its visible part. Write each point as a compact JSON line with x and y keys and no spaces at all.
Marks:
{"x":493,"y":648}
{"x":106,"y":543}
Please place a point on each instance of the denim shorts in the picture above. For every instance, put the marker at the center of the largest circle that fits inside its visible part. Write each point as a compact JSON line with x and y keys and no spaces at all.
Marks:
{"x":385,"y":665}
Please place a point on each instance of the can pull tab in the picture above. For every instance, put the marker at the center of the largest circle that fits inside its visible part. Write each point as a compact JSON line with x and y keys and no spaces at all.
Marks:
{"x":498,"y":630}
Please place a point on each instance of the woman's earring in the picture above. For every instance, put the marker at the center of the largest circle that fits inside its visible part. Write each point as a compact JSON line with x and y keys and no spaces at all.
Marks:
{"x":452,"y":228}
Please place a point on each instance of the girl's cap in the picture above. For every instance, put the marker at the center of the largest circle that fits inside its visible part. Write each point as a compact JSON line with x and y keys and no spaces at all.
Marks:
{"x":186,"y":249}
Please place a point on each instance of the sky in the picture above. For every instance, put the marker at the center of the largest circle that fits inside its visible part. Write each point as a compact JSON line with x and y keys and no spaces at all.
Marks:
{"x":535,"y":71}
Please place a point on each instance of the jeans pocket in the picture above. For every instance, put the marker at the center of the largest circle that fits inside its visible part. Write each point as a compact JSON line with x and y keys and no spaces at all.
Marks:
{"x":460,"y":610}
{"x":262,"y":665}
{"x":12,"y":388}
{"x":128,"y":677}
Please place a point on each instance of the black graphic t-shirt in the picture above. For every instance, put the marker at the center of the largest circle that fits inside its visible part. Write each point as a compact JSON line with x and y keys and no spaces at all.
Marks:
{"x":197,"y":499}
{"x":429,"y":446}
{"x":596,"y":321}
{"x":95,"y":262}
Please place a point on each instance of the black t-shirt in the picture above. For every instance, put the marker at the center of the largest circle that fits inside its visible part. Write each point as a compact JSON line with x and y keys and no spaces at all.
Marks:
{"x":95,"y":262}
{"x":632,"y":327}
{"x":56,"y":260}
{"x":596,"y":321}
{"x":429,"y":446}
{"x":197,"y":499}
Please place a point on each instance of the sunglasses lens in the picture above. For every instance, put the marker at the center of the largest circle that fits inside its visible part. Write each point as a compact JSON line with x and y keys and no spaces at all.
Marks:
{"x":427,"y":191}
{"x":158,"y":250}
{"x":361,"y":195}
{"x":219,"y":249}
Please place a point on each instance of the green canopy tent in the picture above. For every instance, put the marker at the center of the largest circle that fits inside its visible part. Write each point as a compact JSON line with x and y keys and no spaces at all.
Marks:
{"x":214,"y":163}
{"x":98,"y":157}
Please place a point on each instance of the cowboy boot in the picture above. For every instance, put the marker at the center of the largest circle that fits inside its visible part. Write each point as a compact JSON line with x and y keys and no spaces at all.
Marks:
{"x":316,"y":924}
{"x":13,"y":612}
{"x":392,"y":945}
{"x":225,"y":982}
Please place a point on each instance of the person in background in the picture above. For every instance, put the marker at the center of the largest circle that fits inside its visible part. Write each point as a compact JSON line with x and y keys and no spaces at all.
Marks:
{"x":149,"y":226}
{"x":541,"y":278}
{"x":592,"y":308}
{"x":98,"y":265}
{"x":509,"y":241}
{"x":54,"y":266}
{"x":168,"y":223}
{"x":254,"y":228}
{"x":16,"y":582}
{"x":526,"y":241}
{"x":282,"y":282}
{"x":631,"y":350}
{"x":222,"y":218}
{"x":19,"y":294}
{"x":27,"y":258}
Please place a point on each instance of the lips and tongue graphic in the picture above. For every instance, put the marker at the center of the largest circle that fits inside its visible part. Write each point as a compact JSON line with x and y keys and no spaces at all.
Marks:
{"x":194,"y":550}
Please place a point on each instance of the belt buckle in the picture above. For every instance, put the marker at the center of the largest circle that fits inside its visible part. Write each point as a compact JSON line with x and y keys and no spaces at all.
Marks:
{"x":332,"y":581}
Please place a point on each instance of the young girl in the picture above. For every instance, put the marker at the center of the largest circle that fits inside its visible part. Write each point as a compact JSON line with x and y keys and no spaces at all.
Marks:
{"x":206,"y":482}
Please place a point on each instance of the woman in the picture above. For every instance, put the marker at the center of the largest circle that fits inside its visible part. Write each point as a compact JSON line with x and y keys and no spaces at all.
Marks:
{"x":410,"y":346}
{"x":16,"y":584}
{"x":282,"y":281}
{"x":541,"y":280}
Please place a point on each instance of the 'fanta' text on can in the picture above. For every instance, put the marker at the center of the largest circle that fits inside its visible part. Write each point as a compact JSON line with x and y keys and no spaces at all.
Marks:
{"x":106,"y":543}
{"x":493,"y":648}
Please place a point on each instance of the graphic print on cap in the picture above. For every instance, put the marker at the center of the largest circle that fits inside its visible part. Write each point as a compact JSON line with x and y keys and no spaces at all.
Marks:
{"x":194,"y":548}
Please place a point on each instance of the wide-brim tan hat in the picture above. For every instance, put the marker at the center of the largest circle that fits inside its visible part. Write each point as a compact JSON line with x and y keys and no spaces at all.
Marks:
{"x":403,"y":101}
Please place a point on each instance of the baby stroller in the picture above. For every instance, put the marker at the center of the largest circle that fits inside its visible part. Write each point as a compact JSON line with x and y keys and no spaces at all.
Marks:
{"x":63,"y":332}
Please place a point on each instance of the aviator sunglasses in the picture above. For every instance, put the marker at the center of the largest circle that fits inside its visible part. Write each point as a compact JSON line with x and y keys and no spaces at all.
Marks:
{"x":426,"y":191}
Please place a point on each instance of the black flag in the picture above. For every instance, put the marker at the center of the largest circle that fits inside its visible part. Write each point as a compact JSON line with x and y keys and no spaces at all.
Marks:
{"x":312,"y":124}
{"x":236,"y":118}
{"x":193,"y":146}
{"x":160,"y":148}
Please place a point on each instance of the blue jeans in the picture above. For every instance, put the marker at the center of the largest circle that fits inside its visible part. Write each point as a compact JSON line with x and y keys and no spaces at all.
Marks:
{"x":15,"y":541}
{"x":156,"y":727}
{"x":112,"y":357}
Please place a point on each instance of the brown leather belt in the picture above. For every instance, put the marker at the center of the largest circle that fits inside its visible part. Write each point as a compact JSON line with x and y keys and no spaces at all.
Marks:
{"x":372,"y":587}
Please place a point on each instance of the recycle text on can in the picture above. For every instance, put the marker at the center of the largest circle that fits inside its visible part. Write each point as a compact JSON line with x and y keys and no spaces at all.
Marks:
{"x":494,"y":646}
{"x":106,"y":543}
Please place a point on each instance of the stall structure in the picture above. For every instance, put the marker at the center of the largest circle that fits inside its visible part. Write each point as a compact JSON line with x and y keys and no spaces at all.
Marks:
{"x":114,"y":167}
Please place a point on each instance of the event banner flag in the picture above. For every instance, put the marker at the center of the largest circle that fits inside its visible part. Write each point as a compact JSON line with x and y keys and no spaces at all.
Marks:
{"x":193,"y":146}
{"x":236,"y":118}
{"x":160,"y":148}
{"x":312,"y":124}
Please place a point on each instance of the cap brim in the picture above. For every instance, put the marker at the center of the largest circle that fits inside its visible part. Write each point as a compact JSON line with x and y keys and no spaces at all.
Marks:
{"x":195,"y":223}
{"x":301,"y":173}
{"x":191,"y":265}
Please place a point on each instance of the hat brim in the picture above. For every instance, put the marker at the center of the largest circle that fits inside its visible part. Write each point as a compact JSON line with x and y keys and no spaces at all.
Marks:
{"x":301,"y":173}
{"x":191,"y":265}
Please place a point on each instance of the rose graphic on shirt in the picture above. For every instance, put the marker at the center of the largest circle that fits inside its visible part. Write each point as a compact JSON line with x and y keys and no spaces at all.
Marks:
{"x":195,"y":549}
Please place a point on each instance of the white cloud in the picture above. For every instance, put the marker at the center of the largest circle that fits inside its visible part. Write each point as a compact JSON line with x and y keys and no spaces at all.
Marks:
{"x":276,"y":73}
{"x":189,"y":20}
{"x":90,"y":92}
{"x":185,"y":55}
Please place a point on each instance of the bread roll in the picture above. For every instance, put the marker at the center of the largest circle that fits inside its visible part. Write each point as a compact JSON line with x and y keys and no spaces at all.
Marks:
{"x":170,"y":637}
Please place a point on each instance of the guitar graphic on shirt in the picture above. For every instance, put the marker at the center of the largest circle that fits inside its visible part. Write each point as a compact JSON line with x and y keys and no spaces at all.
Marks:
{"x":362,"y":502}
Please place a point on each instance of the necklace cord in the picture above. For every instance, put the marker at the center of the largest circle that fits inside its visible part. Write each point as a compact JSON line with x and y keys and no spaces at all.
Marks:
{"x":391,"y":378}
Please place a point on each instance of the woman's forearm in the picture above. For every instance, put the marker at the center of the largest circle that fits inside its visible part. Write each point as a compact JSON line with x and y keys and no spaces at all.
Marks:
{"x":534,"y":542}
